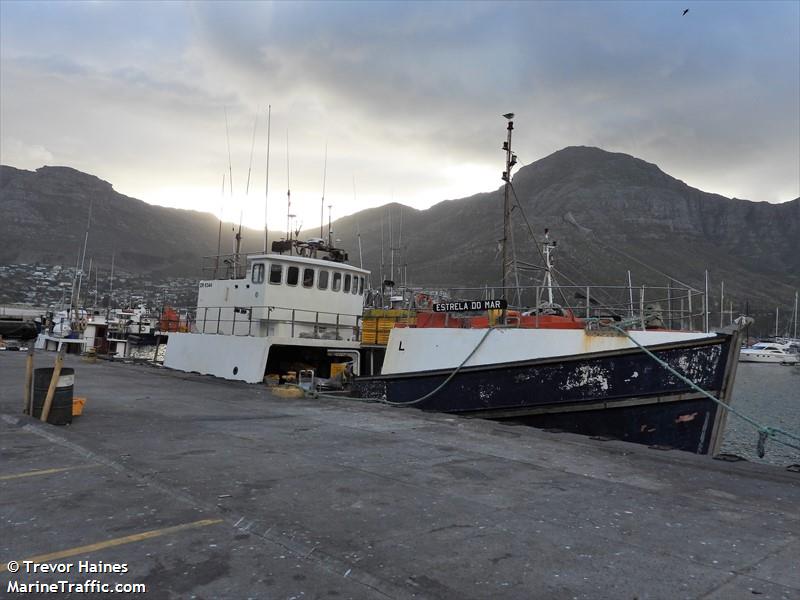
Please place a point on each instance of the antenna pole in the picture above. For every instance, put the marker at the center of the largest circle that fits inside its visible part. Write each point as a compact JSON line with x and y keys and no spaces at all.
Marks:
{"x":219,"y":233}
{"x":322,"y":204}
{"x":330,"y":227}
{"x":230,"y":166}
{"x":288,"y":196}
{"x":266,"y":193}
{"x":358,"y":228}
{"x":391,"y":245}
{"x":400,"y":257}
{"x":706,"y":309}
{"x":241,"y":206}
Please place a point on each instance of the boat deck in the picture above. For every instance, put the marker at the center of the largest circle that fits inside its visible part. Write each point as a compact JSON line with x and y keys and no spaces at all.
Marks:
{"x":215,"y":489}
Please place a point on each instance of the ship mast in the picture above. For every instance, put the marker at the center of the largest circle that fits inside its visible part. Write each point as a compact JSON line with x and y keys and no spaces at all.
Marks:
{"x":511,"y":160}
{"x":547,"y":247}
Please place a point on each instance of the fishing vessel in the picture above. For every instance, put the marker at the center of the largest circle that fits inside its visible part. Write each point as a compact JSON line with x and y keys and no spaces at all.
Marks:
{"x":594,"y":372}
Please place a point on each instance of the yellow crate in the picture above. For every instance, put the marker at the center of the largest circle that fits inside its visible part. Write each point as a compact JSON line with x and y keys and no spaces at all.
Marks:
{"x":393,"y":313}
{"x":337,"y":368}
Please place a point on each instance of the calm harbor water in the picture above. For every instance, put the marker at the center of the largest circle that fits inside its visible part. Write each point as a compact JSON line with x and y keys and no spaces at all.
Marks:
{"x":769,"y":394}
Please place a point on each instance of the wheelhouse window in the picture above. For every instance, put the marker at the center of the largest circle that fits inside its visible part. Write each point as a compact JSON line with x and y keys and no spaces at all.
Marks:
{"x":347,"y":283}
{"x":322,"y":282}
{"x":337,"y":282}
{"x":258,"y":273}
{"x":355,"y":284}
{"x":275,"y":273}
{"x":292,"y":275}
{"x":361,"y":286}
{"x":308,"y":278}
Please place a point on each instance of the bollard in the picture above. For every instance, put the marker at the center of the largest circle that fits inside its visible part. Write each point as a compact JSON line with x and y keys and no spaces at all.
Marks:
{"x":27,"y":408}
{"x":51,"y":391}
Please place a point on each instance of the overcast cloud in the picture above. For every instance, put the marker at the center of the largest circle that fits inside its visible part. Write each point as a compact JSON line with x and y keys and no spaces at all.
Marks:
{"x":407,"y":96}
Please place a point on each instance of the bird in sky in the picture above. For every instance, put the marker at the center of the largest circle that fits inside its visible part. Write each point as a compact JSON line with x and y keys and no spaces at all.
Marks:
{"x":685,"y":11}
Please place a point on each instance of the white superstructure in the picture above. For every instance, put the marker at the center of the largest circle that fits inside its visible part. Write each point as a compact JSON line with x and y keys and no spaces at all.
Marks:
{"x":287,"y":312}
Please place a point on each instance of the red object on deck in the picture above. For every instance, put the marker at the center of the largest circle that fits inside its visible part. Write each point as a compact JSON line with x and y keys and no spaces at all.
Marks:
{"x":513,"y":318}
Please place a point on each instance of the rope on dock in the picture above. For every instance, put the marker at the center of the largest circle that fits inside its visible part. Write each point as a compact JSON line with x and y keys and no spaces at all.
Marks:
{"x":764,"y":431}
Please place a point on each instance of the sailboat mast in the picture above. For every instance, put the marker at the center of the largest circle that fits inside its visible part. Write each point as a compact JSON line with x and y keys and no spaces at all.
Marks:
{"x":88,"y":282}
{"x":111,"y":281}
{"x":795,"y":316}
{"x":83,"y":258}
{"x":506,"y":203}
{"x":266,"y":192}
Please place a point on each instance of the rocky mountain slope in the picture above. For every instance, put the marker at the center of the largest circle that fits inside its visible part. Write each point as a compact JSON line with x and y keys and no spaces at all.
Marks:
{"x":610,"y":213}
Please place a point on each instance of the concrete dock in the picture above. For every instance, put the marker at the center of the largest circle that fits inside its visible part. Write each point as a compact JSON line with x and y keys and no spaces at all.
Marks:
{"x":212,"y":489}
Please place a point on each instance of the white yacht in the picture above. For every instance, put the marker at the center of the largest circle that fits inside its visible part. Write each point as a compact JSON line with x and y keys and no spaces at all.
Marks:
{"x":769,"y":352}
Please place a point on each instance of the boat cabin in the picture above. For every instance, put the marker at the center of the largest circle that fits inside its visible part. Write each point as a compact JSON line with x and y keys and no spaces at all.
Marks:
{"x":285,"y":296}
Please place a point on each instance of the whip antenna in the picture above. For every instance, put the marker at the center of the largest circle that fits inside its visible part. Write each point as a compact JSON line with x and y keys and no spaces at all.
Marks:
{"x":322,"y":204}
{"x":266,"y":193}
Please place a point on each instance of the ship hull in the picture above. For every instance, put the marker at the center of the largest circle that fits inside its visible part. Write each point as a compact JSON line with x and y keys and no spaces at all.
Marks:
{"x":620,"y":393}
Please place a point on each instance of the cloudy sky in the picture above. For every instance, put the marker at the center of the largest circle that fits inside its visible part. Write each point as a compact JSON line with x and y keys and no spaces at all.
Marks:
{"x":406,"y":96}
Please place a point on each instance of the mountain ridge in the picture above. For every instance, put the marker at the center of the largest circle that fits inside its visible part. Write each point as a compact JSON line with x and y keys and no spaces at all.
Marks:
{"x":605,"y":208}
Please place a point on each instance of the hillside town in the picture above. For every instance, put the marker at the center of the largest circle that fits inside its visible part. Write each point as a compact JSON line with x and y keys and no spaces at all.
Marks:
{"x":49,"y":286}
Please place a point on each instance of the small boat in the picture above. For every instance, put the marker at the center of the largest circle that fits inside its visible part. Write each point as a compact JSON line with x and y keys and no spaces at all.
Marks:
{"x":770,"y":352}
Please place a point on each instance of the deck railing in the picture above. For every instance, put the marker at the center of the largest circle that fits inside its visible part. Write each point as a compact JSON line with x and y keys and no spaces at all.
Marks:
{"x":676,"y":307}
{"x":259,"y":320}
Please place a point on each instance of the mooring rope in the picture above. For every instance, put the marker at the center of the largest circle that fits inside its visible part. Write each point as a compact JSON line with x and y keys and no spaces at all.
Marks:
{"x":433,"y":392}
{"x":764,"y":431}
